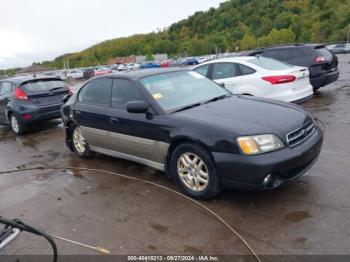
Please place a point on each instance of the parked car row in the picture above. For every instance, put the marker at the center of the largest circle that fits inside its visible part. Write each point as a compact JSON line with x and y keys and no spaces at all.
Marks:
{"x":218,"y":124}
{"x":180,"y":122}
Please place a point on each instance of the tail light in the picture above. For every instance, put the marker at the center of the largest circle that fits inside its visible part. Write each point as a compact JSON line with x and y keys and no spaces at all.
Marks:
{"x":275,"y":80}
{"x":320,"y":59}
{"x":20,"y":94}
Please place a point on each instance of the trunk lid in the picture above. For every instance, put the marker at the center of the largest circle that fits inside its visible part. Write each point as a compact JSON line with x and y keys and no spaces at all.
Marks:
{"x":329,"y":64}
{"x":301,"y":75}
{"x":44,"y":92}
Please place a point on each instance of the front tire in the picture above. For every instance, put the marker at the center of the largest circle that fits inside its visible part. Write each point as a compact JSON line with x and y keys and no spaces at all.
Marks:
{"x":80,"y":146}
{"x":194,"y":171}
{"x":16,"y":125}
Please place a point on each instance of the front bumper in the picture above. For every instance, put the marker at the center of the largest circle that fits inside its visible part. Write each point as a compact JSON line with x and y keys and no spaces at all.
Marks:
{"x":284,"y":166}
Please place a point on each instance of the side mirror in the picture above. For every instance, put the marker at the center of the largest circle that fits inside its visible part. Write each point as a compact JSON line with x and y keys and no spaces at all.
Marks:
{"x":222,"y":84}
{"x":66,"y":98}
{"x":137,"y":107}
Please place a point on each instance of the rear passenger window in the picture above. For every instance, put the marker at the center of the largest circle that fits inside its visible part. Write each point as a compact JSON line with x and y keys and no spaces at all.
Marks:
{"x":123,"y":92}
{"x":203,"y":70}
{"x":224,"y":70}
{"x":97,"y":92}
{"x":245,"y":70}
{"x":276,"y":54}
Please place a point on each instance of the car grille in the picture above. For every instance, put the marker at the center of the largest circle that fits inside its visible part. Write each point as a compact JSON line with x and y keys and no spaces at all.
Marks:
{"x":300,"y":135}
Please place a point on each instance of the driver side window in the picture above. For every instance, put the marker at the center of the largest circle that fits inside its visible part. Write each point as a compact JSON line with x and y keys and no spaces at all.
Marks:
{"x":97,"y":92}
{"x":123,"y":92}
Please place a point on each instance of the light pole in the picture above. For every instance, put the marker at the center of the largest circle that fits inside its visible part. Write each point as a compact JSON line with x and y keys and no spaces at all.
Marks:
{"x":348,"y":34}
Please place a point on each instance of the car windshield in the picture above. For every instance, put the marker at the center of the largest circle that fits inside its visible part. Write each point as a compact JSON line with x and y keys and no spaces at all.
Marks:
{"x":177,"y":90}
{"x":269,"y":63}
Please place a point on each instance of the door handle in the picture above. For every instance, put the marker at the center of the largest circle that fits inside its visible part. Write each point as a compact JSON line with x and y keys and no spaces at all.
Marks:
{"x":77,"y":112}
{"x":114,"y":120}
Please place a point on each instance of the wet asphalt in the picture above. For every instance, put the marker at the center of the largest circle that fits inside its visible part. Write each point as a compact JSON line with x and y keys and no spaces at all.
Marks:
{"x":311,"y":216}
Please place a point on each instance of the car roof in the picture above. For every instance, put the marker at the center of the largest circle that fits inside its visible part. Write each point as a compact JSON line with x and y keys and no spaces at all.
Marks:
{"x":229,"y":59}
{"x":18,"y":80}
{"x":137,"y":74}
{"x":286,"y":46}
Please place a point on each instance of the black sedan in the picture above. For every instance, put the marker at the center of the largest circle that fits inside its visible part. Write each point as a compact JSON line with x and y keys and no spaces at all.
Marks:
{"x":200,"y":134}
{"x":27,"y":99}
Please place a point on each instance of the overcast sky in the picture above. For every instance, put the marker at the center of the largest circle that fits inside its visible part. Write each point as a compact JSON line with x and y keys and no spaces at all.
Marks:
{"x":37,"y":30}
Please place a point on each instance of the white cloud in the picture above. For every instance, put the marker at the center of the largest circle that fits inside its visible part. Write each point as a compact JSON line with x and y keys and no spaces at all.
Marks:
{"x":42,"y":29}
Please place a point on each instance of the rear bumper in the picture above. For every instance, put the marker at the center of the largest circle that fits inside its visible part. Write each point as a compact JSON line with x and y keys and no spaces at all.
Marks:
{"x":324,"y":79}
{"x":302,"y":100}
{"x":295,"y":96}
{"x":284,"y":166}
{"x":38,"y":113}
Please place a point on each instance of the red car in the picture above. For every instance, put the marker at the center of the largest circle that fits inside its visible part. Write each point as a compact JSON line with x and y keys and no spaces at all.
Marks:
{"x":101,"y":70}
{"x":165,"y":63}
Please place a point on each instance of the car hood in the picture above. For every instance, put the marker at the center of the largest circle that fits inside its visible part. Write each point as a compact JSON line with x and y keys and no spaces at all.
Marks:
{"x":249,"y":116}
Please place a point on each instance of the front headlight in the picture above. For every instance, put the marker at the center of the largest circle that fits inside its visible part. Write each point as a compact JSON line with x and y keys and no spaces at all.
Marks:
{"x":254,"y":145}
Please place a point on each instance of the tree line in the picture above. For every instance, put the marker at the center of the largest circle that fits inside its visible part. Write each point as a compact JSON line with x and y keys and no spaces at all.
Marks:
{"x":234,"y":25}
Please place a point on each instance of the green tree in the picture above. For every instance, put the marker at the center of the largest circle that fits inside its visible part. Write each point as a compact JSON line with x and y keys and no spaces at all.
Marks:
{"x":248,"y":42}
{"x":149,"y":57}
{"x":242,"y":23}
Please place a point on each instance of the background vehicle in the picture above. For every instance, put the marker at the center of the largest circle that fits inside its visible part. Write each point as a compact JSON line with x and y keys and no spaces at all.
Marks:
{"x":180,"y":122}
{"x":75,"y":74}
{"x":101,"y":70}
{"x":24,"y":100}
{"x":150,"y":64}
{"x":259,"y":76}
{"x":204,"y":59}
{"x":322,"y":64}
{"x":130,"y":66}
{"x":89,"y":73}
{"x":166,"y":63}
{"x":190,"y":61}
{"x":339,"y":48}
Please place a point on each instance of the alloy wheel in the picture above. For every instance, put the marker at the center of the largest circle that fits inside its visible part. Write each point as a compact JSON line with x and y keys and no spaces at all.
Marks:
{"x":14,"y":124}
{"x":78,"y":140}
{"x":193,"y":172}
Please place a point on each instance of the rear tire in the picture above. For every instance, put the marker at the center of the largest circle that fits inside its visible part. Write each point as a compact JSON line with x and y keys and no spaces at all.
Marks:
{"x":16,"y":125}
{"x":80,"y":146}
{"x":194,"y":171}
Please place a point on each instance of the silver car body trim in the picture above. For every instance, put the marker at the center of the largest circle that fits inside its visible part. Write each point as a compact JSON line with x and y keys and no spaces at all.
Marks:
{"x":155,"y":165}
{"x":145,"y":151}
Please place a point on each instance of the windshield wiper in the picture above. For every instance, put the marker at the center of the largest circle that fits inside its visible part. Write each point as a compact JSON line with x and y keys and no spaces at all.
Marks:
{"x":55,"y":88}
{"x":217,"y":98}
{"x":187,"y":107}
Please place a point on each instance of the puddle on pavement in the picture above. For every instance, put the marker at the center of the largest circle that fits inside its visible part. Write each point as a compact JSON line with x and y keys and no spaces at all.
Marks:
{"x":297,"y":216}
{"x":320,"y":102}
